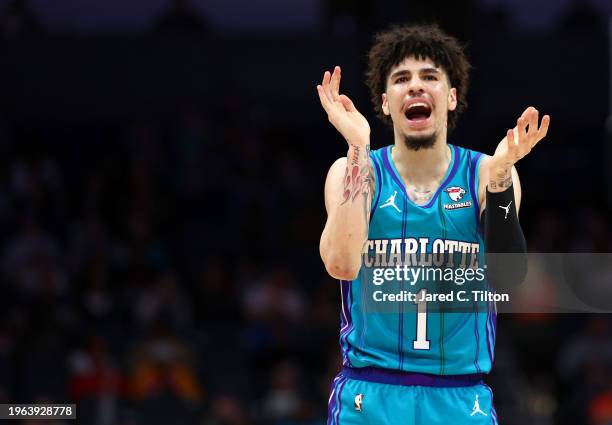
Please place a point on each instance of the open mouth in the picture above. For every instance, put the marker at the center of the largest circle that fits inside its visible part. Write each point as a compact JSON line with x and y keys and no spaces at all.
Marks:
{"x":418,"y":111}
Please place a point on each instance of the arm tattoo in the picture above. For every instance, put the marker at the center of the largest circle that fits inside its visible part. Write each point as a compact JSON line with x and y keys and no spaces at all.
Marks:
{"x":503,"y":180}
{"x":357,"y":176}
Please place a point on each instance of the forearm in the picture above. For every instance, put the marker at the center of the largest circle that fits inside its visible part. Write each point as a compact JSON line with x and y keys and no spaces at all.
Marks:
{"x":504,"y":240}
{"x":347,"y":225}
{"x":505,"y":243}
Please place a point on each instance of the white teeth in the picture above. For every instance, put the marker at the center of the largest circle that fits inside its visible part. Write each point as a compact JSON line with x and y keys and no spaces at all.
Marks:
{"x":418,"y":104}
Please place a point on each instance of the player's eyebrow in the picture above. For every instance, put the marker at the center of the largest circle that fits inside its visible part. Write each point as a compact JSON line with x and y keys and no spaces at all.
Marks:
{"x":401,"y":72}
{"x":429,"y":71}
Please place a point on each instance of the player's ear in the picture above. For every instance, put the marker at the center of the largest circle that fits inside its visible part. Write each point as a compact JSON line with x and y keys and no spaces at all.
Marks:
{"x":385,"y":104}
{"x":452,"y":99}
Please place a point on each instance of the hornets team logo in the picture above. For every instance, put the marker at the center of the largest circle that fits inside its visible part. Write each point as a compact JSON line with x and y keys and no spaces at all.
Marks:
{"x":455,"y":192}
{"x":358,"y":401}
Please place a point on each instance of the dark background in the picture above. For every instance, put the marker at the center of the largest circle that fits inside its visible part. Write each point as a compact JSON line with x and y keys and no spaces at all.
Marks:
{"x":161,"y":200}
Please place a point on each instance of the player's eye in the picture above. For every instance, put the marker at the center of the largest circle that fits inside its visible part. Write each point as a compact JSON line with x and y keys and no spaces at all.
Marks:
{"x":431,"y":77}
{"x":401,"y":79}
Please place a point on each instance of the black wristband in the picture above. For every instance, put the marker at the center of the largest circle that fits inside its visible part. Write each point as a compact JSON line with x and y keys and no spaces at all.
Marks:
{"x":505,"y":243}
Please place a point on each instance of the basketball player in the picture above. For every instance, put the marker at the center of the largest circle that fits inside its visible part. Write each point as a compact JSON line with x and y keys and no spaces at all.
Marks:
{"x":424,"y":195}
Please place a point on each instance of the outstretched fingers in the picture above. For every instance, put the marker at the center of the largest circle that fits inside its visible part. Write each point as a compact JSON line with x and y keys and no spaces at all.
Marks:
{"x":335,"y":83}
{"x":533,"y":123}
{"x":543,"y":130}
{"x":329,"y":92}
{"x":326,"y":86}
{"x":325,"y":103}
{"x":521,"y":139}
{"x":521,"y":127}
{"x":529,"y":131}
{"x":511,"y":143}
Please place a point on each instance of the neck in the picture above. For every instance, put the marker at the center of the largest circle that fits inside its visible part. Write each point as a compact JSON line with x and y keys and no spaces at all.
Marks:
{"x":424,"y":165}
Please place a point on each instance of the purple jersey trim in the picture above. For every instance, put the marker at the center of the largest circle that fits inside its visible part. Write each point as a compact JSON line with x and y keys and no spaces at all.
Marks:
{"x":397,"y":377}
{"x":491,"y":327}
{"x":389,"y":168}
{"x":339,"y":411}
{"x":489,"y":336}
{"x":473,"y":188}
{"x":346,"y":320}
{"x":491,"y":331}
{"x":331,"y":408}
{"x":400,"y":332}
{"x":493,"y":411}
{"x":455,"y":165}
{"x":378,"y":186}
{"x":477,"y":334}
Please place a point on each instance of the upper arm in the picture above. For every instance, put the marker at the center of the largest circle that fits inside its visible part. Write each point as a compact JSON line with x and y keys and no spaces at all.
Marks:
{"x":483,"y":180}
{"x":334,"y":184}
{"x":335,"y":187}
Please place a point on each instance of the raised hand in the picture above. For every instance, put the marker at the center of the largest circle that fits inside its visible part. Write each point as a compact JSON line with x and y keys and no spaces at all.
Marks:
{"x":516,"y":145}
{"x":341,"y":111}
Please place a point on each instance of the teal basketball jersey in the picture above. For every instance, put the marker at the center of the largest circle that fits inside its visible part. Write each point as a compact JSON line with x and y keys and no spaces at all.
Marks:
{"x":402,"y":337}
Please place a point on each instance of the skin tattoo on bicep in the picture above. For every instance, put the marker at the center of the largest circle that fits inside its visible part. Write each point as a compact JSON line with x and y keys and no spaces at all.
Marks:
{"x":357,"y":177}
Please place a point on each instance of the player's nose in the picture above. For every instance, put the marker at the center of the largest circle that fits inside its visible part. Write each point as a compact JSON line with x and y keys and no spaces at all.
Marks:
{"x":415,"y":86}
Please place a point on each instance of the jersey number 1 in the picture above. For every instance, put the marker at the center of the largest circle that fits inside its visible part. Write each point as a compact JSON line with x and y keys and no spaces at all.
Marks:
{"x":421,"y":342}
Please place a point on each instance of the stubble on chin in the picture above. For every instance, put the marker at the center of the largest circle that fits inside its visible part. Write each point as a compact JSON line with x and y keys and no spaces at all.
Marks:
{"x":415,"y":143}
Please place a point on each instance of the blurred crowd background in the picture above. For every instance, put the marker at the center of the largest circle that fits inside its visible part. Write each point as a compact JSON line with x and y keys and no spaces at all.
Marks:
{"x":161,"y":200}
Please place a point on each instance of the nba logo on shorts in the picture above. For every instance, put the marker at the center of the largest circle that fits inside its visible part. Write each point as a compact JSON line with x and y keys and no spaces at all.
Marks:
{"x":358,"y":401}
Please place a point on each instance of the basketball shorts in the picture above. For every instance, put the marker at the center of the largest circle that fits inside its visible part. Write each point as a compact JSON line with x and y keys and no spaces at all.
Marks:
{"x":373,"y":396}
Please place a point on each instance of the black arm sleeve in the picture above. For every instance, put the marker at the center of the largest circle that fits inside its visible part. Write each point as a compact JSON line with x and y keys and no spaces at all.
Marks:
{"x":505,"y":245}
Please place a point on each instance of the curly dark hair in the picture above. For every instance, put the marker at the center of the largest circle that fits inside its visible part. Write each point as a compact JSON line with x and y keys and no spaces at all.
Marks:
{"x":397,"y":43}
